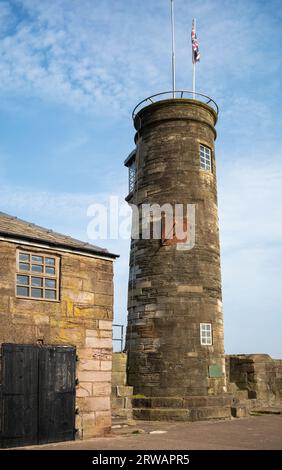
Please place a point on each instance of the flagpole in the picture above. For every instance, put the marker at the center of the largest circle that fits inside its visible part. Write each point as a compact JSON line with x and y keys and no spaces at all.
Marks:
{"x":173,"y":48}
{"x":194,"y":65}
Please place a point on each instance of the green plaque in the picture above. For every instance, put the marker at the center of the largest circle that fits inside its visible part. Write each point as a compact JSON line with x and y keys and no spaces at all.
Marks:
{"x":215,"y":371}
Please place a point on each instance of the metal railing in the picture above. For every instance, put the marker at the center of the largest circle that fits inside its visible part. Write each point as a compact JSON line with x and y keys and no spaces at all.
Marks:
{"x":120,"y":337}
{"x":180,"y":94}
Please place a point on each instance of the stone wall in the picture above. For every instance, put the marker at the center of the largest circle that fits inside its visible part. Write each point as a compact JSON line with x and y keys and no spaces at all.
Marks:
{"x":121,"y":393}
{"x":82,"y":318}
{"x":258,"y":375}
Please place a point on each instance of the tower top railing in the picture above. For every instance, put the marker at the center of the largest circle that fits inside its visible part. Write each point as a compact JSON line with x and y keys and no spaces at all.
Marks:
{"x":180,"y":94}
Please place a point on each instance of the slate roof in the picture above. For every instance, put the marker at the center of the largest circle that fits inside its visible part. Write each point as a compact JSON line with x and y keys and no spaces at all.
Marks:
{"x":12,"y":227}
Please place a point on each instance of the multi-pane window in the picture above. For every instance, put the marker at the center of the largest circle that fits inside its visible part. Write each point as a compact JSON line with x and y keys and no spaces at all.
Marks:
{"x":37,"y":276}
{"x":206,"y":334}
{"x":205,"y":158}
{"x":131,"y":175}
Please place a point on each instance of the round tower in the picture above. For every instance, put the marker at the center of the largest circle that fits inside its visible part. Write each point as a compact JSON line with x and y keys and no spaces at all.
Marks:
{"x":175,"y":322}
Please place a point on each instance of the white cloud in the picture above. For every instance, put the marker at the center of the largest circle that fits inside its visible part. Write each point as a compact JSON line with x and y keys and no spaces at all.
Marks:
{"x":103,"y":55}
{"x":75,"y":53}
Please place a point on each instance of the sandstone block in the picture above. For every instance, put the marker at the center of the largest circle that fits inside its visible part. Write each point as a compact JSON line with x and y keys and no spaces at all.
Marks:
{"x":143,"y":284}
{"x":106,"y":365}
{"x":187,"y":288}
{"x":4,"y":302}
{"x":117,"y":402}
{"x":71,"y":282}
{"x":118,"y":378}
{"x":124,"y":391}
{"x":41,"y":319}
{"x":105,"y":324}
{"x":89,"y":426}
{"x":84,"y":389}
{"x":106,"y":333}
{"x":68,"y":336}
{"x":94,"y":404}
{"x":102,"y":354}
{"x":92,"y":333}
{"x":103,"y":422}
{"x":94,"y":376}
{"x":101,"y":389}
{"x":89,"y":364}
{"x":85,"y":353}
{"x":79,"y":297}
{"x":83,"y":311}
{"x":103,"y":300}
{"x":92,"y":342}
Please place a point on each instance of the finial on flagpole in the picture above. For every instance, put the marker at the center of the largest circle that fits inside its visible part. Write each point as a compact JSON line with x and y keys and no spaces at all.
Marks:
{"x":173,"y":48}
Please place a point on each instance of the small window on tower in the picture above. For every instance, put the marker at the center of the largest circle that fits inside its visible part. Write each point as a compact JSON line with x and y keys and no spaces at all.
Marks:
{"x":131,"y":175}
{"x":205,"y":158}
{"x":206,"y":334}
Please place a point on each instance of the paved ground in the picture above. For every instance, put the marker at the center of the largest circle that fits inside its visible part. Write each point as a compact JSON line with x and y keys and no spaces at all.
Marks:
{"x":256,"y":432}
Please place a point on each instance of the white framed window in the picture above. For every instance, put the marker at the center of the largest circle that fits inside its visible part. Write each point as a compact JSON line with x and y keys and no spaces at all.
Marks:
{"x":37,"y":276}
{"x":206,"y":334}
{"x":205,"y":158}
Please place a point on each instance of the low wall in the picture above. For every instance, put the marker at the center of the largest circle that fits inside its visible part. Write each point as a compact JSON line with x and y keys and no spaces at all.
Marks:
{"x":257,"y":374}
{"x":121,"y":398}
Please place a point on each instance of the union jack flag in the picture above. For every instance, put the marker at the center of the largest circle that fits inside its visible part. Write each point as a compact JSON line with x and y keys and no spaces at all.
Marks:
{"x":195,"y":46}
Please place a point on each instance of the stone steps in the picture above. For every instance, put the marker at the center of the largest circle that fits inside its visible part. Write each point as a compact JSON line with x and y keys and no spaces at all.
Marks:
{"x":182,"y":402}
{"x":239,"y":411}
{"x":120,"y":422}
{"x":193,"y":408}
{"x":267,"y":410}
{"x":182,"y":414}
{"x":122,"y":414}
{"x":241,"y":394}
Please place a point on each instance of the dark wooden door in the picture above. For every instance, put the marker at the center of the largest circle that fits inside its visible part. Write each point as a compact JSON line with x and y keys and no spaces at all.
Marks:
{"x":37,"y":401}
{"x":19,"y":390}
{"x":56,"y":394}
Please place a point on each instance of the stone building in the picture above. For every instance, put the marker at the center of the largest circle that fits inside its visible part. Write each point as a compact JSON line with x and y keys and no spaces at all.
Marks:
{"x":175,"y":323}
{"x":56,"y":311}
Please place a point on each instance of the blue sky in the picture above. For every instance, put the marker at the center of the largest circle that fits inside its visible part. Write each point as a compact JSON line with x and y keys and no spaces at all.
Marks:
{"x":71,"y":72}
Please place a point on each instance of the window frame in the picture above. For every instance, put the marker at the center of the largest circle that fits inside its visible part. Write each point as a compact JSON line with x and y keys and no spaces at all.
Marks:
{"x":43,"y":276}
{"x":208,"y":167}
{"x":132,"y":172}
{"x":206,"y":339}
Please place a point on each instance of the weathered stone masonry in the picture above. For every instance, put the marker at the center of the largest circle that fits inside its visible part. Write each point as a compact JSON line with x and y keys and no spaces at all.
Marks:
{"x":81,"y":318}
{"x":172,"y":291}
{"x":255,"y":380}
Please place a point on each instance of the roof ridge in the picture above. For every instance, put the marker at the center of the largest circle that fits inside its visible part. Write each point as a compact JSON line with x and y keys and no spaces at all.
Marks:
{"x":30,"y":230}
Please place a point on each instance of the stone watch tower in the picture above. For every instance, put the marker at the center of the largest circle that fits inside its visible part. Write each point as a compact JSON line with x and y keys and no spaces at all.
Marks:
{"x":175,"y":322}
